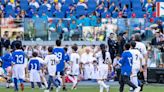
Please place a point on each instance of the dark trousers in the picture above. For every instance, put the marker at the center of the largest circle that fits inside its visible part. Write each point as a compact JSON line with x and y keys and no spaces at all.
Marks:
{"x":125,"y":80}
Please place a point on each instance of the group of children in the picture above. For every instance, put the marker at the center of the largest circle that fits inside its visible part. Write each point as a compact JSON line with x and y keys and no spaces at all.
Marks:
{"x":59,"y":64}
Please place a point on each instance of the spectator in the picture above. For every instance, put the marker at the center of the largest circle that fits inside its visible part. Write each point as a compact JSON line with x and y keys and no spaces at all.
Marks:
{"x":12,"y":3}
{"x":23,"y":14}
{"x":18,"y":40}
{"x":125,"y":11}
{"x":34,"y":3}
{"x":112,"y":45}
{"x":73,"y":28}
{"x":82,"y":4}
{"x":44,"y":17}
{"x":47,"y":4}
{"x":160,"y":27}
{"x":5,"y":40}
{"x":57,"y":5}
{"x":13,"y":36}
{"x":156,"y":39}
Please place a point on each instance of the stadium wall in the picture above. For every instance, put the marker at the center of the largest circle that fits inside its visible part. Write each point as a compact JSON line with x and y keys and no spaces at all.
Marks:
{"x":48,"y":43}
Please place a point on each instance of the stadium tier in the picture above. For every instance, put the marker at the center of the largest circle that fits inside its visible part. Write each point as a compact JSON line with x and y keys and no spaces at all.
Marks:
{"x":77,"y":8}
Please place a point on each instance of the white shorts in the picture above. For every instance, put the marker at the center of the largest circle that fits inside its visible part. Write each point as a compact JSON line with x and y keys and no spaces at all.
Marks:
{"x":103,"y":72}
{"x":52,"y":71}
{"x":18,"y":71}
{"x":135,"y":70}
{"x":35,"y":76}
{"x":75,"y":70}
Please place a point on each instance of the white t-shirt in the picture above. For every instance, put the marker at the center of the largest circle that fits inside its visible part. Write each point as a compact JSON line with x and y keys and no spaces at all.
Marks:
{"x":137,"y":56}
{"x":87,"y":58}
{"x":141,"y":47}
{"x":51,"y":61}
{"x":75,"y":59}
{"x":100,"y":59}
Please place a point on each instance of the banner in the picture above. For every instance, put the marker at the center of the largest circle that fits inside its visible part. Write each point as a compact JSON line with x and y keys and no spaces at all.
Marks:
{"x":160,"y":9}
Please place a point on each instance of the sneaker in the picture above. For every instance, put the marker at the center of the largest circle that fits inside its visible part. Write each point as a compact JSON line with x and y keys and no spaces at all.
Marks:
{"x":22,"y":87}
{"x":107,"y":89}
{"x":46,"y":91}
{"x":74,"y":86}
{"x":64,"y":88}
{"x":137,"y":89}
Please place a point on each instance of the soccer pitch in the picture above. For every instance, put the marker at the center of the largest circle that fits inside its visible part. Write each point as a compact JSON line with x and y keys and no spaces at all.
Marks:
{"x":147,"y":88}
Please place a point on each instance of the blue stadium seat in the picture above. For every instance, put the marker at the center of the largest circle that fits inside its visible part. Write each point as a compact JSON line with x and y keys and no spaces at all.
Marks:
{"x":139,"y":14}
{"x":64,"y":8}
{"x":59,"y":15}
{"x":115,"y":15}
{"x":80,"y":8}
{"x":104,"y":15}
{"x":125,"y":2}
{"x":49,"y":14}
{"x":8,"y":9}
{"x":2,"y":2}
{"x":42,"y":9}
{"x":69,"y":2}
{"x":24,"y":4}
{"x":33,"y":7}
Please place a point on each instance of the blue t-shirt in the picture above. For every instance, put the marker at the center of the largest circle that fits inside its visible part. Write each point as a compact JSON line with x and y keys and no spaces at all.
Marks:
{"x":60,"y":53}
{"x":34,"y":64}
{"x":126,"y":63}
{"x":18,"y":57}
{"x":6,"y":58}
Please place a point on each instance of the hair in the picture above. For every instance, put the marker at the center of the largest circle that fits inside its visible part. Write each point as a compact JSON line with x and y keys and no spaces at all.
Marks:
{"x":94,"y":61}
{"x":65,"y":49}
{"x":34,"y":54}
{"x":74,"y":47}
{"x":18,"y":46}
{"x":127,"y":46}
{"x":102,"y":47}
{"x":133,"y":44}
{"x":137,"y":37}
{"x":50,"y":49}
{"x":18,"y":37}
{"x":58,"y":42}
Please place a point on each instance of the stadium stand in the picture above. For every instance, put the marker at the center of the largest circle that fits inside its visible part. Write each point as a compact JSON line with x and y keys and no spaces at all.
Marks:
{"x":53,"y":8}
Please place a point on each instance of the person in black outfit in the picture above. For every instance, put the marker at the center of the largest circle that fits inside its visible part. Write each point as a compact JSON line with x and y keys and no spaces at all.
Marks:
{"x":112,"y":46}
{"x":17,"y":41}
{"x":156,"y":39}
{"x":5,"y":41}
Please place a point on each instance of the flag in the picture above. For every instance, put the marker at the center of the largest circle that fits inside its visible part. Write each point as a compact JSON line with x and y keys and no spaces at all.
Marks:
{"x":160,"y":9}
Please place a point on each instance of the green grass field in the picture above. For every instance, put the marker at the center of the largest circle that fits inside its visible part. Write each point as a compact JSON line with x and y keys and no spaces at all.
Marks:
{"x":148,"y":88}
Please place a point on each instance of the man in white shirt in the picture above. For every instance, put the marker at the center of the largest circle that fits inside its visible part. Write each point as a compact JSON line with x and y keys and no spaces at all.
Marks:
{"x":142,"y":48}
{"x":137,"y":63}
{"x":86,"y":60}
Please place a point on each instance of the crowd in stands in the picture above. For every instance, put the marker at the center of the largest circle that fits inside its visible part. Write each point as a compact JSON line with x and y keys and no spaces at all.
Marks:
{"x":74,"y":9}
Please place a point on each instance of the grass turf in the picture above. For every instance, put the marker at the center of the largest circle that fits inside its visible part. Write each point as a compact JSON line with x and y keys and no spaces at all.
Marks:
{"x":148,"y":88}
